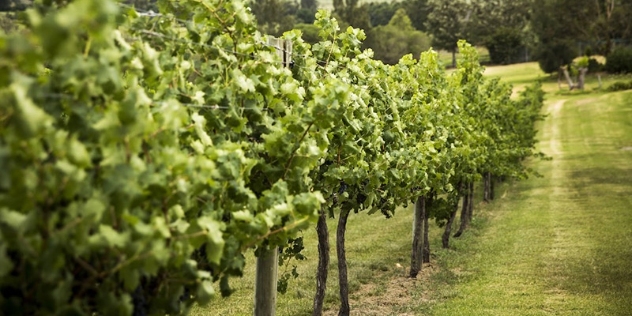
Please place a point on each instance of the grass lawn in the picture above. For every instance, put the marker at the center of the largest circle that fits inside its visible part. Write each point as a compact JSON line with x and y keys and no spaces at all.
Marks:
{"x":524,"y":74}
{"x":560,"y":244}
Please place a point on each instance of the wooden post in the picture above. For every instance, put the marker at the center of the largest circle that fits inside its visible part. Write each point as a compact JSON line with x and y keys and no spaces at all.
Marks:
{"x":268,"y":261}
{"x":283,"y":48}
{"x":416,"y":257}
{"x":266,"y":282}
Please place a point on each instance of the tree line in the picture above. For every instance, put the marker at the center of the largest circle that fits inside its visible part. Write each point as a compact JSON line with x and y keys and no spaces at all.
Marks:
{"x":553,"y":32}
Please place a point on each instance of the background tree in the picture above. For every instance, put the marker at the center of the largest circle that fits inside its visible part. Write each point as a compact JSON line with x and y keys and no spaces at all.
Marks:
{"x":502,"y":27}
{"x":9,"y":19}
{"x":447,"y":23}
{"x":275,"y":16}
{"x":13,"y":5}
{"x":309,"y":32}
{"x":380,"y":13}
{"x":504,"y":45}
{"x":352,"y":13}
{"x":567,"y":28}
{"x":307,"y":11}
{"x":143,"y":5}
{"x":398,"y":38}
{"x":556,"y":36}
{"x":418,"y":12}
{"x":603,"y":22}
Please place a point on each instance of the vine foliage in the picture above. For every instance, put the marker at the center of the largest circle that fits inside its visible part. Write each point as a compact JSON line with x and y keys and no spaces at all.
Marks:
{"x":142,"y":156}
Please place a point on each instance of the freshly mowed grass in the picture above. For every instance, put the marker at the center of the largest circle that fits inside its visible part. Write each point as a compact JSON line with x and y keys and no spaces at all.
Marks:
{"x":560,"y":244}
{"x":524,"y":73}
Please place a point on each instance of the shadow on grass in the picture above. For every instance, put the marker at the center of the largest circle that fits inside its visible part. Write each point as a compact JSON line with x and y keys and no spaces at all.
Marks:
{"x":599,"y":266}
{"x":606,"y":277}
{"x":585,"y":179}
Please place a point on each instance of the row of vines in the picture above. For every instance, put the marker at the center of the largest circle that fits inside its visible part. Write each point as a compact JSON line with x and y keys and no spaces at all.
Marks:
{"x":142,"y":156}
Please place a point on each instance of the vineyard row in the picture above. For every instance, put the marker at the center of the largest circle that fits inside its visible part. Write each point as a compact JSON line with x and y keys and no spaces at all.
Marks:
{"x":137,"y":170}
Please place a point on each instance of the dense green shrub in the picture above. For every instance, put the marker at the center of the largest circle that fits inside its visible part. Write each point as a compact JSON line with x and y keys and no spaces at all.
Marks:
{"x":309,"y":32}
{"x":551,"y":56}
{"x":620,"y":86}
{"x":381,"y":13}
{"x":504,"y":46}
{"x":619,"y":61}
{"x":305,"y":16}
{"x":398,"y":38}
{"x":594,"y":65}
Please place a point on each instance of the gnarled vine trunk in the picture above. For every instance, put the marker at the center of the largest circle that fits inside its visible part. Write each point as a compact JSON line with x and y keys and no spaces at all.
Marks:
{"x":492,"y":194}
{"x":470,"y":204}
{"x":445,"y":238}
{"x":464,"y":211}
{"x":426,"y":250}
{"x":342,"y":264}
{"x":323,"y":263}
{"x":487,"y":187}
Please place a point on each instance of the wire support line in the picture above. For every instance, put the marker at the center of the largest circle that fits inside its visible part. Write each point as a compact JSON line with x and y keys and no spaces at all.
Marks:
{"x":319,"y":63}
{"x":153,"y":14}
{"x":292,"y":54}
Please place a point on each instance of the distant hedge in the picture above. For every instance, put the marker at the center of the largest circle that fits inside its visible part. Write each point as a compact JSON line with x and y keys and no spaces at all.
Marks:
{"x":619,"y":61}
{"x":620,"y":86}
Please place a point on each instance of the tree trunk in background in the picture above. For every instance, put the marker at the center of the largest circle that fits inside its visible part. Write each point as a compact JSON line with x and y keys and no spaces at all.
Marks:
{"x":323,"y":263}
{"x":416,"y":258}
{"x":581,"y":78}
{"x":571,"y":85}
{"x":454,"y":58}
{"x":445,"y":239}
{"x":342,"y":264}
{"x":266,"y":282}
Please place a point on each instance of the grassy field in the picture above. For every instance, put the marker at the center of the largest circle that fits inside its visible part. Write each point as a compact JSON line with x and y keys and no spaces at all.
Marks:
{"x":521,"y":75}
{"x":555,"y":245}
{"x":560,"y":244}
